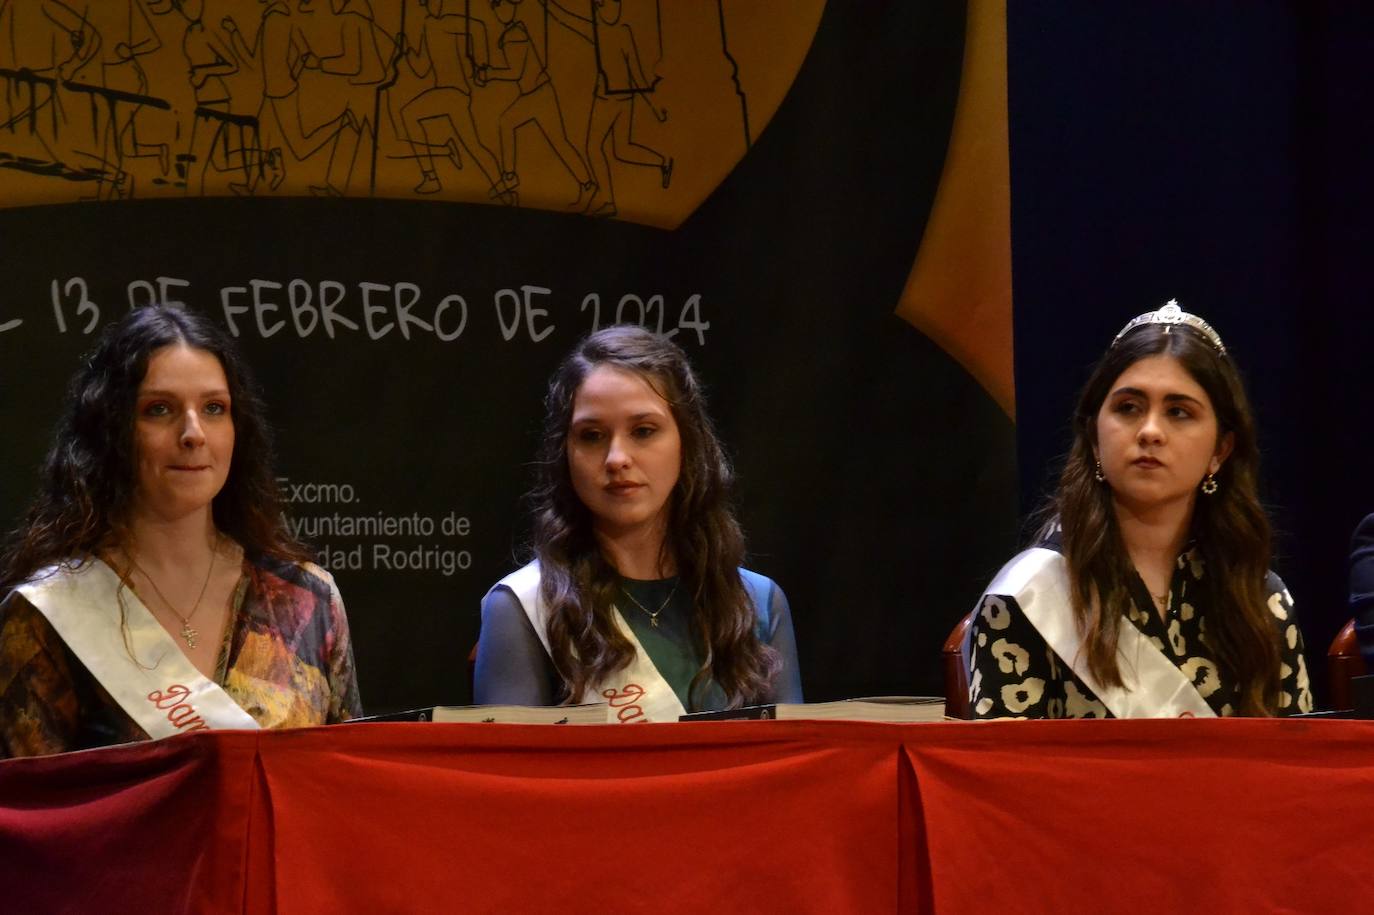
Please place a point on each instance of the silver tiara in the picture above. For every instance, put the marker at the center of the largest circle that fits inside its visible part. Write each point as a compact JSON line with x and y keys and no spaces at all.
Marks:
{"x":1171,"y":315}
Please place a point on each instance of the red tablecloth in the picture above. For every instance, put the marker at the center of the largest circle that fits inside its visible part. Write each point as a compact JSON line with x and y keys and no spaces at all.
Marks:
{"x":1138,"y":816}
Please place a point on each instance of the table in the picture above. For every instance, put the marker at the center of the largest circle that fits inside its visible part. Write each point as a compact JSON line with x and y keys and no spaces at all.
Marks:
{"x":760,"y":816}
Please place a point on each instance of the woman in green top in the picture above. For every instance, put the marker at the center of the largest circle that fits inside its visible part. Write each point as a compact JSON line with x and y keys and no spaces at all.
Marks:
{"x":635,"y":595}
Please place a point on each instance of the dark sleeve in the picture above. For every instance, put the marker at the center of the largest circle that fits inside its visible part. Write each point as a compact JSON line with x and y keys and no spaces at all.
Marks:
{"x":512,"y":666}
{"x":787,"y":685}
{"x":1362,"y":587}
{"x":1295,"y":689}
{"x":39,"y":708}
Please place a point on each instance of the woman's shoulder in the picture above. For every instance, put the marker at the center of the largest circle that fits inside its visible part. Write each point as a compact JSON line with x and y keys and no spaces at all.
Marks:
{"x":1364,"y":533}
{"x":274,"y":572}
{"x":770,"y":603}
{"x":1025,"y":568}
{"x":1273,"y":584}
{"x":766,"y":595}
{"x":17,"y":613}
{"x":759,"y":586}
{"x":516,"y":592}
{"x":1279,"y":600}
{"x":521,"y":580}
{"x":756,"y":579}
{"x":64,"y":570}
{"x":513,"y":589}
{"x":24,"y":633}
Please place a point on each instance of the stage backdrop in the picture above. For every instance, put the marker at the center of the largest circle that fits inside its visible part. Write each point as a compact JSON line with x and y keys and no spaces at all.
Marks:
{"x":1217,"y":154}
{"x":407,"y":212}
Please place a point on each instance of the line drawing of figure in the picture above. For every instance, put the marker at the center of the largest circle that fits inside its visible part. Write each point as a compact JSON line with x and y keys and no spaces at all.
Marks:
{"x":215,"y":124}
{"x":537,"y":102}
{"x":341,"y":40}
{"x":620,"y":79}
{"x":123,"y":34}
{"x":34,"y":65}
{"x":278,"y":50}
{"x":451,"y":46}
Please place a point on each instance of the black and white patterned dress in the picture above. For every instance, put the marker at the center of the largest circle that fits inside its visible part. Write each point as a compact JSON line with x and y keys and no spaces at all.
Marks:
{"x":1014,"y":673}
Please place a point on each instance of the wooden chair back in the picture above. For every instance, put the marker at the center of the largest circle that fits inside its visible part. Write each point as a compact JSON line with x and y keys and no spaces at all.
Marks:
{"x":1343,"y":663}
{"x":956,"y":670}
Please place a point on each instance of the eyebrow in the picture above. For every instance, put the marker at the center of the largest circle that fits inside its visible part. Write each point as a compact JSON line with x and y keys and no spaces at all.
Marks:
{"x":637,"y":417}
{"x":1137,"y":392}
{"x":155,"y":392}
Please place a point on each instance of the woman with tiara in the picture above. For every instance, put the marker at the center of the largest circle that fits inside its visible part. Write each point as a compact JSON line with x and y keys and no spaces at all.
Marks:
{"x":1148,"y":592}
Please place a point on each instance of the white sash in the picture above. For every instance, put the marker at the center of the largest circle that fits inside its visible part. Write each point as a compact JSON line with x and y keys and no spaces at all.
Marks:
{"x":163,"y":691}
{"x":636,"y":693}
{"x":1152,"y":686}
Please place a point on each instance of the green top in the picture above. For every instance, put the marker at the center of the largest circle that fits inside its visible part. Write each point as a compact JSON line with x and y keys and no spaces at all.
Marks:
{"x":514,"y":667}
{"x":671,"y":644}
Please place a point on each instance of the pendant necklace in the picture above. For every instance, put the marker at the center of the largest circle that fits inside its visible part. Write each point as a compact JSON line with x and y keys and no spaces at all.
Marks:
{"x":188,"y":634}
{"x":652,"y":614}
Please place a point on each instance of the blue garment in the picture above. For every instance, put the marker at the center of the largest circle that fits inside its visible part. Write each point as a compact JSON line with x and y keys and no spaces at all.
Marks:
{"x":514,"y":669}
{"x":1362,"y":588}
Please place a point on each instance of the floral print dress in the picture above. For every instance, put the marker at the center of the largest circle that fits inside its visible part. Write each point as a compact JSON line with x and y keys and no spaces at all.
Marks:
{"x":286,"y":659}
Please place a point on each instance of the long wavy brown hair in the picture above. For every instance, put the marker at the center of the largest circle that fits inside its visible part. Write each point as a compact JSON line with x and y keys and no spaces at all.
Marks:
{"x":88,"y":482}
{"x":1229,"y":528}
{"x":578,"y":584}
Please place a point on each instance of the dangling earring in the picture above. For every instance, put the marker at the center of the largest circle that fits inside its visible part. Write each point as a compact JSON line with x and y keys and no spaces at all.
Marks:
{"x":1209,"y":484}
{"x":1097,"y":474}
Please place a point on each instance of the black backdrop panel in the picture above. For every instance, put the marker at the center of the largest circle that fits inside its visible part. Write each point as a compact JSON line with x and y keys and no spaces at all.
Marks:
{"x":877,"y":478}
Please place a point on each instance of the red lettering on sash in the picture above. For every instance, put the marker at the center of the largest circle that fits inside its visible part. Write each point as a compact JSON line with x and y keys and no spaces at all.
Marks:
{"x":180,"y":713}
{"x":624,"y":701}
{"x":173,"y":696}
{"x":1186,"y":715}
{"x":625,"y":696}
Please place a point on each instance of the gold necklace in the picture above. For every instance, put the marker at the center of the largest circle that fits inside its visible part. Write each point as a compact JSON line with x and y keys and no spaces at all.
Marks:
{"x":188,"y":634}
{"x":652,"y":614}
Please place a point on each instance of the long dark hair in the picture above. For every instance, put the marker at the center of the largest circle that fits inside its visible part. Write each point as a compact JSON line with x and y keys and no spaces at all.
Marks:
{"x":89,"y":478}
{"x":1229,"y":528}
{"x":577,"y":583}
